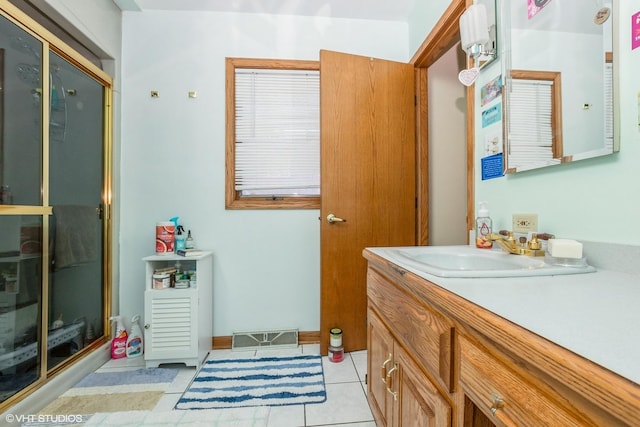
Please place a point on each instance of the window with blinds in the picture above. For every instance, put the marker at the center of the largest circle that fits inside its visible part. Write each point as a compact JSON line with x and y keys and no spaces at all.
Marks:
{"x":273,"y":143}
{"x":535,"y":134}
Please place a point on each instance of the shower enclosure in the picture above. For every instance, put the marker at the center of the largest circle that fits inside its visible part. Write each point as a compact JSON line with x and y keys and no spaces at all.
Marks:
{"x":54,"y":201}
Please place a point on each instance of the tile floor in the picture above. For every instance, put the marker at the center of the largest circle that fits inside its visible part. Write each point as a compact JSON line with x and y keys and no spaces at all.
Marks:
{"x":346,"y":403}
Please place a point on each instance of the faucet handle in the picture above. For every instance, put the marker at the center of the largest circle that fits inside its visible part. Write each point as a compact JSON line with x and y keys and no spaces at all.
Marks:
{"x":534,"y":243}
{"x":508,"y":234}
{"x":545,"y":236}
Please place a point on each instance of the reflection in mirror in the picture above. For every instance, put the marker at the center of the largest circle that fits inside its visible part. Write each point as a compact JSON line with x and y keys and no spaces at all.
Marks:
{"x":490,"y":50}
{"x":21,"y":121}
{"x":558,"y":68}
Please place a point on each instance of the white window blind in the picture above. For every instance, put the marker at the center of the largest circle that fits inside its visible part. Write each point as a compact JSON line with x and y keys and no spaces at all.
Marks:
{"x":277,"y":141}
{"x":530,"y":123}
{"x":608,"y":105}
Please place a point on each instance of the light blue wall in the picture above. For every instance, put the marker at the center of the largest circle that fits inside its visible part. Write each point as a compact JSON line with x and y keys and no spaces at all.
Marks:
{"x":266,"y":262}
{"x":423,"y":18}
{"x":595,"y":200}
{"x":171,"y":159}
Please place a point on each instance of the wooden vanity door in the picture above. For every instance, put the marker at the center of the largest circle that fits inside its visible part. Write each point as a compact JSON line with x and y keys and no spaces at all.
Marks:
{"x":419,"y":402}
{"x":380,"y":360}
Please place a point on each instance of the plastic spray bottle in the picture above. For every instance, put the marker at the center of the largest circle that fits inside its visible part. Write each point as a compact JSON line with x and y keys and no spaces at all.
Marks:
{"x":180,"y":238}
{"x":483,"y":227}
{"x":135,"y":342}
{"x":119,"y":341}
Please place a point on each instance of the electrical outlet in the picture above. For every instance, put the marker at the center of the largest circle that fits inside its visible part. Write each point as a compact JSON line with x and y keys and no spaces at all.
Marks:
{"x":524,"y":223}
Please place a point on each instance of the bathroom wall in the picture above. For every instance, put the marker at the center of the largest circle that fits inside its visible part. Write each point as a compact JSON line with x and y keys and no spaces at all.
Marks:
{"x":266,"y":262}
{"x":595,"y":200}
{"x":592,"y":200}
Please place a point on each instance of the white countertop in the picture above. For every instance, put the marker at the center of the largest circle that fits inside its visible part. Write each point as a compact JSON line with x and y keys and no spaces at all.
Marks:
{"x":595,"y":315}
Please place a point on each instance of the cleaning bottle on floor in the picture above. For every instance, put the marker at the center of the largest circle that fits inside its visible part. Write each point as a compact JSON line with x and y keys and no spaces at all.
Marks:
{"x":119,"y":341}
{"x":134,"y":341}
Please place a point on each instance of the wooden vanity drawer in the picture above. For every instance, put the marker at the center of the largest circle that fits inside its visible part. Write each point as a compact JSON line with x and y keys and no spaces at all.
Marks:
{"x":426,"y":334}
{"x":505,"y":396}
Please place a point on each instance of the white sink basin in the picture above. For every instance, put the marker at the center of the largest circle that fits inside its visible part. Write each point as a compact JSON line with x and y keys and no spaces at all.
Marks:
{"x":467,"y":261}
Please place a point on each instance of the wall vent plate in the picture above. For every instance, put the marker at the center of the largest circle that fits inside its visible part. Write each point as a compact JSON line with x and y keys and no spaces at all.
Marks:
{"x":264,"y":339}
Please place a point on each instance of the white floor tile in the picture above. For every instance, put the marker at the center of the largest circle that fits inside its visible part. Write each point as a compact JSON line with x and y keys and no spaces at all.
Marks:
{"x":286,"y":416}
{"x":345,"y":403}
{"x":339,"y":372}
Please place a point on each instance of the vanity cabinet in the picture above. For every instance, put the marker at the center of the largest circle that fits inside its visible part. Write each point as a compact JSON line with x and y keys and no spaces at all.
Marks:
{"x":178,"y":324}
{"x":448,"y":360}
{"x":404,"y":390}
{"x":504,"y":393}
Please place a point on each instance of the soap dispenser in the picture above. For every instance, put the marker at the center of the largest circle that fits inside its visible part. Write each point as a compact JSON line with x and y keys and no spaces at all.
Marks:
{"x":483,"y":227}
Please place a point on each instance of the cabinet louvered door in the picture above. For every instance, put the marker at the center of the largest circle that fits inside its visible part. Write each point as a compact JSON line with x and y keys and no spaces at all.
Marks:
{"x":171,"y":324}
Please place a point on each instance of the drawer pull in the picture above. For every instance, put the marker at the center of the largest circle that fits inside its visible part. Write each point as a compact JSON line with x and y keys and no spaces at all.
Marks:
{"x":389,"y":381}
{"x":498,"y":403}
{"x":383,"y":374}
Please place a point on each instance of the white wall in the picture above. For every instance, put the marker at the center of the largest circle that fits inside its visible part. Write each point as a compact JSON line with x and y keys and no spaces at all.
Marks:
{"x":447,"y":175}
{"x":266,"y":263}
{"x":594,"y":200}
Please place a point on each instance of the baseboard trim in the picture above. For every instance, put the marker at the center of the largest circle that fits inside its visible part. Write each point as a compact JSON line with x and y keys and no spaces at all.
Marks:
{"x":224,"y":342}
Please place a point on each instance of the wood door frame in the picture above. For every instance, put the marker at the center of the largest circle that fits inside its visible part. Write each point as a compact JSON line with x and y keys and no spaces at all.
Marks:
{"x":442,"y":37}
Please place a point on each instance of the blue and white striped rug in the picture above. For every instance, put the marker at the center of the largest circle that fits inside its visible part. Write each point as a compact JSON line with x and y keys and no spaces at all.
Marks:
{"x":264,"y":381}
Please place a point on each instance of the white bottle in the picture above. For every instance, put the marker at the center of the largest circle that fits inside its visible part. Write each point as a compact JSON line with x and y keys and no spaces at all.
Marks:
{"x":483,"y":227}
{"x":135,"y":345}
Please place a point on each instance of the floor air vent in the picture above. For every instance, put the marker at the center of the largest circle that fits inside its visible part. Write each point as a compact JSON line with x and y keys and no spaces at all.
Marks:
{"x":264,"y":339}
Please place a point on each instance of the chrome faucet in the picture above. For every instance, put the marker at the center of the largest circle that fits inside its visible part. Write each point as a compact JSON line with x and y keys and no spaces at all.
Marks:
{"x":510,"y":245}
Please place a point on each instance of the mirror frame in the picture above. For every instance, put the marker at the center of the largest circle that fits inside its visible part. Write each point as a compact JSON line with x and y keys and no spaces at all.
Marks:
{"x":507,"y":68}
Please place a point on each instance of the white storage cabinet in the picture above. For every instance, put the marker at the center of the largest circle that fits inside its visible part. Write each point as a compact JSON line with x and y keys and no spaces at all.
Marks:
{"x":178,"y":323}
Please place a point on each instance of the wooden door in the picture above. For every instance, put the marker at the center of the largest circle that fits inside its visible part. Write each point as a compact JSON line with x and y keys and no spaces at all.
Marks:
{"x":368,"y":178}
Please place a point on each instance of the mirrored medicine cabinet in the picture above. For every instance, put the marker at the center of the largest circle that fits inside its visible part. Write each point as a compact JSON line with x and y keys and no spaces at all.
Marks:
{"x":558,"y":67}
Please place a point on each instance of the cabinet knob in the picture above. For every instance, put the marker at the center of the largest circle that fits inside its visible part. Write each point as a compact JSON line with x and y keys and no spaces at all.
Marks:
{"x":498,"y":403}
{"x":147,"y":326}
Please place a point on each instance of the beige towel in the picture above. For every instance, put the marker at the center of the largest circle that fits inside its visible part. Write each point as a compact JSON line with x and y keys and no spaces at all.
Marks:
{"x":76,"y":235}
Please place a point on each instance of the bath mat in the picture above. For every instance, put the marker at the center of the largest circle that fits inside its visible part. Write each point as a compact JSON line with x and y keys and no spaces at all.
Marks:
{"x":233,"y":417}
{"x":139,"y":389}
{"x":264,"y":381}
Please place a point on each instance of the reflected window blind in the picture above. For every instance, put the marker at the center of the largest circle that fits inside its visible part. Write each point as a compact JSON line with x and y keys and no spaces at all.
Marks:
{"x":530,"y":122}
{"x":608,"y":108}
{"x":277,"y":144}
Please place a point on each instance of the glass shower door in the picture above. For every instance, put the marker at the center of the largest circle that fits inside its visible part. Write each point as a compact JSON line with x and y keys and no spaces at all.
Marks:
{"x":55,"y":157}
{"x":21,"y":210}
{"x":76,"y":175}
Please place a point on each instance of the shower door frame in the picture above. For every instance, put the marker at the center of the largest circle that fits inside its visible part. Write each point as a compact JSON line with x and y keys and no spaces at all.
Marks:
{"x":51,"y":43}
